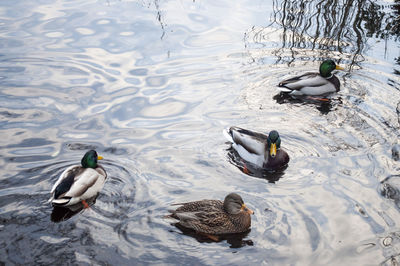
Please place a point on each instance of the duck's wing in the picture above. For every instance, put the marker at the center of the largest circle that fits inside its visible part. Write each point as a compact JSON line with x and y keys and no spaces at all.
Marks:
{"x":307,"y":84}
{"x":83,"y":181}
{"x":210,"y":220}
{"x":252,"y":142}
{"x":296,"y":83}
{"x":64,"y":181}
{"x":64,"y":175}
{"x":201,"y":205}
{"x":75,"y":182}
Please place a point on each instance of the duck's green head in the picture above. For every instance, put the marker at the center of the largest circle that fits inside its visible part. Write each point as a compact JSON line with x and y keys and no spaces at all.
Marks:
{"x":326,"y":68}
{"x":90,"y":158}
{"x":273,"y":142}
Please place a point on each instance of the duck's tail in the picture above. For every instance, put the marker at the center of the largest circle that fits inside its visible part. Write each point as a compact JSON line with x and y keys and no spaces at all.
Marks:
{"x":282,"y":88}
{"x":60,"y":202}
{"x":228,"y":134}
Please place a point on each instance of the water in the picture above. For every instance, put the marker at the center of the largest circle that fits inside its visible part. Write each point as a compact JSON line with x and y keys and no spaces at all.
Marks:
{"x":151,"y":85}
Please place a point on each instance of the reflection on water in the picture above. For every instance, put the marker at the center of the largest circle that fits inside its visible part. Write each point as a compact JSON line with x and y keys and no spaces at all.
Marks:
{"x":324,"y":105}
{"x":234,"y":240}
{"x":312,"y":30}
{"x":390,"y":188}
{"x":151,"y":84}
{"x":60,"y":214}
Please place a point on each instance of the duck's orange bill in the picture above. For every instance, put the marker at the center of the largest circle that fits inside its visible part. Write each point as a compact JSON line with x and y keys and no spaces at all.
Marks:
{"x":339,"y":68}
{"x":99,"y":157}
{"x":244,"y":208}
{"x":272,"y":150}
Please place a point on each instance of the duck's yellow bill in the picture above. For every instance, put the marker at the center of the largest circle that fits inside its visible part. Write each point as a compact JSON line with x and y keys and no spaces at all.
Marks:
{"x":339,"y":68}
{"x":244,"y":208}
{"x":100,"y":158}
{"x":272,"y":150}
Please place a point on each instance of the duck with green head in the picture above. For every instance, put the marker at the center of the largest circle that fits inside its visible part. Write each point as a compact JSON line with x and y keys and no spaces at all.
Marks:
{"x":79,"y":182}
{"x":262,"y":150}
{"x":312,"y":83}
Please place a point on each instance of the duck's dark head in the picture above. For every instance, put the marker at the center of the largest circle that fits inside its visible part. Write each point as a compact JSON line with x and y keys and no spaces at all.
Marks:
{"x":90,"y":158}
{"x":273,"y":143}
{"x":326,"y":68}
{"x":233,"y":204}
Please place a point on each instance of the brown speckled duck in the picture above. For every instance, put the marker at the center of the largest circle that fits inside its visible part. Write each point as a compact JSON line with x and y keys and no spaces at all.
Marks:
{"x":214,"y":217}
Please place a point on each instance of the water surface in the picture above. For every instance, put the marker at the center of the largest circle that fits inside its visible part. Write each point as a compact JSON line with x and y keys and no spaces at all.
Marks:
{"x":151,"y":85}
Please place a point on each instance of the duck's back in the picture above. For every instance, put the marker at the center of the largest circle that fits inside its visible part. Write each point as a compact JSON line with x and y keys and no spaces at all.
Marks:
{"x":310,"y":84}
{"x":199,"y":206}
{"x":253,"y":142}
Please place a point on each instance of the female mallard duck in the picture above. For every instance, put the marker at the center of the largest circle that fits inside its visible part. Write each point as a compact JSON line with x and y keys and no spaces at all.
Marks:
{"x":311,"y":83}
{"x":214,"y":217}
{"x":78,"y":183}
{"x":259,"y":149}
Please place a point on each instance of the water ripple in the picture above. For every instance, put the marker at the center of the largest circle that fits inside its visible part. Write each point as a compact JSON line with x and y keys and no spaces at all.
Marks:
{"x":150,"y":85}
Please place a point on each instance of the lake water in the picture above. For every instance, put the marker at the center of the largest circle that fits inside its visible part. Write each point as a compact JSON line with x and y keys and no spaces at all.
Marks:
{"x":151,"y":84}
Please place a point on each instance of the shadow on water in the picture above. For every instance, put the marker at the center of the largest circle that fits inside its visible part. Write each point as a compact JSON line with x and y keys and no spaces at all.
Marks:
{"x":324,"y":105}
{"x":396,"y":152}
{"x":252,"y":170}
{"x":234,"y":240}
{"x":60,"y":214}
{"x":390,"y":189}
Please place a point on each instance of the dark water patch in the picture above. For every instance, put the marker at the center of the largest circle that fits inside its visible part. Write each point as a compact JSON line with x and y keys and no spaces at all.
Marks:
{"x":139,"y":72}
{"x":398,"y":112}
{"x":12,"y":69}
{"x":60,"y":214}
{"x":116,"y":151}
{"x":93,"y":124}
{"x":396,"y":152}
{"x":32,"y":158}
{"x":324,"y":104}
{"x":81,"y":146}
{"x":311,"y":228}
{"x":32,"y":142}
{"x":234,"y":240}
{"x":7,"y":114}
{"x":390,"y":189}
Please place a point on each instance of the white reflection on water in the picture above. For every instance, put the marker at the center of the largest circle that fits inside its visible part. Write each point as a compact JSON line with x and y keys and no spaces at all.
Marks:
{"x":150,"y":86}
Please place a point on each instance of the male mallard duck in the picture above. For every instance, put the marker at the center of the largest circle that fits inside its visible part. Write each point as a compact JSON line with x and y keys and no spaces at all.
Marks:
{"x":78,"y":183}
{"x":259,"y":149}
{"x":214,"y":217}
{"x":311,"y":83}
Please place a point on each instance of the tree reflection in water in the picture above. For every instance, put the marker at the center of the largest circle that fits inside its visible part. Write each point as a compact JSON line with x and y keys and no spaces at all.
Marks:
{"x":326,"y":29}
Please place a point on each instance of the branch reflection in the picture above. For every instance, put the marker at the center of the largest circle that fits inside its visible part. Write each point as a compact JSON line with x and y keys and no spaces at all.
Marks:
{"x":313,"y":30}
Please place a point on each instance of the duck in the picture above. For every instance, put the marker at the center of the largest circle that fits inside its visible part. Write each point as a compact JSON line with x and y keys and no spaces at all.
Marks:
{"x":313,"y":84}
{"x":264,"y":151}
{"x":214,"y":217}
{"x":79,"y":182}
